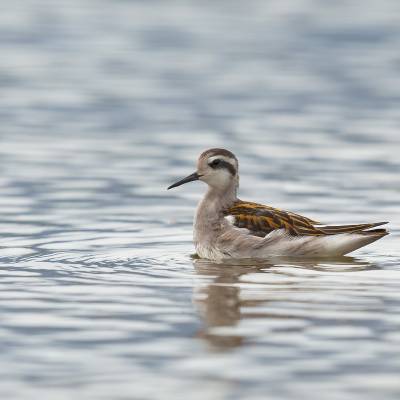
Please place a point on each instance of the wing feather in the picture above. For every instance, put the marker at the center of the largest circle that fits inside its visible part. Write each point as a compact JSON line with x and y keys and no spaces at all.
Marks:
{"x":260,"y":220}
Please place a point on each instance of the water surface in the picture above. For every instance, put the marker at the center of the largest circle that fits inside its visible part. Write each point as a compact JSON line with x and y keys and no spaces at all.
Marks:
{"x":103,"y":105}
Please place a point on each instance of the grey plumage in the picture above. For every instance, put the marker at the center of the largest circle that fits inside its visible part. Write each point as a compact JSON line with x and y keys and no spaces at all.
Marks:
{"x":226,"y":227}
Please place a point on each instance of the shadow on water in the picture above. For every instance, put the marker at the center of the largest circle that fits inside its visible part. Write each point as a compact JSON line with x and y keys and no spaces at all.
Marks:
{"x":221,"y":303}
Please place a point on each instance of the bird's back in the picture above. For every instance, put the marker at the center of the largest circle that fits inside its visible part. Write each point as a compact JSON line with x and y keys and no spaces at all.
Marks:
{"x":256,"y":230}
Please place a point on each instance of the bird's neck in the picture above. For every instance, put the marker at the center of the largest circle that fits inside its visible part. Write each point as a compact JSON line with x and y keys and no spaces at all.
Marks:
{"x":215,"y":201}
{"x":209,"y":214}
{"x":221,"y":199}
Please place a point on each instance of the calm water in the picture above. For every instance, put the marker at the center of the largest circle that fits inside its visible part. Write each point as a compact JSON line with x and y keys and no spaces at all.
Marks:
{"x":103,"y":104}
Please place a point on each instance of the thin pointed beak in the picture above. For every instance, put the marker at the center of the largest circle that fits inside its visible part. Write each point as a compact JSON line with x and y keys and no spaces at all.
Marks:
{"x":193,"y":177}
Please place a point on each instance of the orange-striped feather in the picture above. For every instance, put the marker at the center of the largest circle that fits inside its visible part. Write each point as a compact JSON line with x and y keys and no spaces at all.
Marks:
{"x":261,"y":220}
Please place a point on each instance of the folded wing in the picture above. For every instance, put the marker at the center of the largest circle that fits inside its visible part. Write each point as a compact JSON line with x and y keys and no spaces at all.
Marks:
{"x":260,"y":220}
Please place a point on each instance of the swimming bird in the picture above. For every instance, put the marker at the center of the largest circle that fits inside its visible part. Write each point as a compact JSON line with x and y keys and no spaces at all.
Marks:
{"x":226,"y":227}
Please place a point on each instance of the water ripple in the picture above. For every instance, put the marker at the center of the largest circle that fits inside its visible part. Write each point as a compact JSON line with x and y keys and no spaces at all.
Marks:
{"x":103,"y":107}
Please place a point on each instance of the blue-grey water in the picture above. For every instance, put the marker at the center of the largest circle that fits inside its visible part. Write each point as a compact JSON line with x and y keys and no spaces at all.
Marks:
{"x":103,"y":104}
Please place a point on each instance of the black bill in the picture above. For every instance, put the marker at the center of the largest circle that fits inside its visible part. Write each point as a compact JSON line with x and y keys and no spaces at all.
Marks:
{"x":193,"y":177}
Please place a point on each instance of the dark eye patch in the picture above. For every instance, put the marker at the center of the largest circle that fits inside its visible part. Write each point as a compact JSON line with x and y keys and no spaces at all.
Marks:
{"x":217,"y":163}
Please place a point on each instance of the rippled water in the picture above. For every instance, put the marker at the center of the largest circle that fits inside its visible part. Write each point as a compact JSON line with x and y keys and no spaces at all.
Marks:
{"x":104,"y":104}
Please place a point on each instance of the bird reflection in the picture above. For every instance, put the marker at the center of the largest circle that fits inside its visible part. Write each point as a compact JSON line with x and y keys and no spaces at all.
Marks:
{"x":219,"y":302}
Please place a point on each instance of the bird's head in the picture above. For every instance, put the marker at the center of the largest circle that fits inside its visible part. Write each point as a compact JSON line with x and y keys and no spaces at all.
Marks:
{"x":216,"y":167}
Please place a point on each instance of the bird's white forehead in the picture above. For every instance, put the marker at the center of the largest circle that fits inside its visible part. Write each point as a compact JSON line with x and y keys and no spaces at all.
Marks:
{"x":225,"y":158}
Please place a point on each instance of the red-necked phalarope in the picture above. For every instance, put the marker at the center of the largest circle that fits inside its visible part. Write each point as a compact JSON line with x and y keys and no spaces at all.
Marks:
{"x":226,"y":227}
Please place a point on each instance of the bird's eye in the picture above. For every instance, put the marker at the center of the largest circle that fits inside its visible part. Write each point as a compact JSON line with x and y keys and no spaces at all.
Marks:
{"x":215,"y":163}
